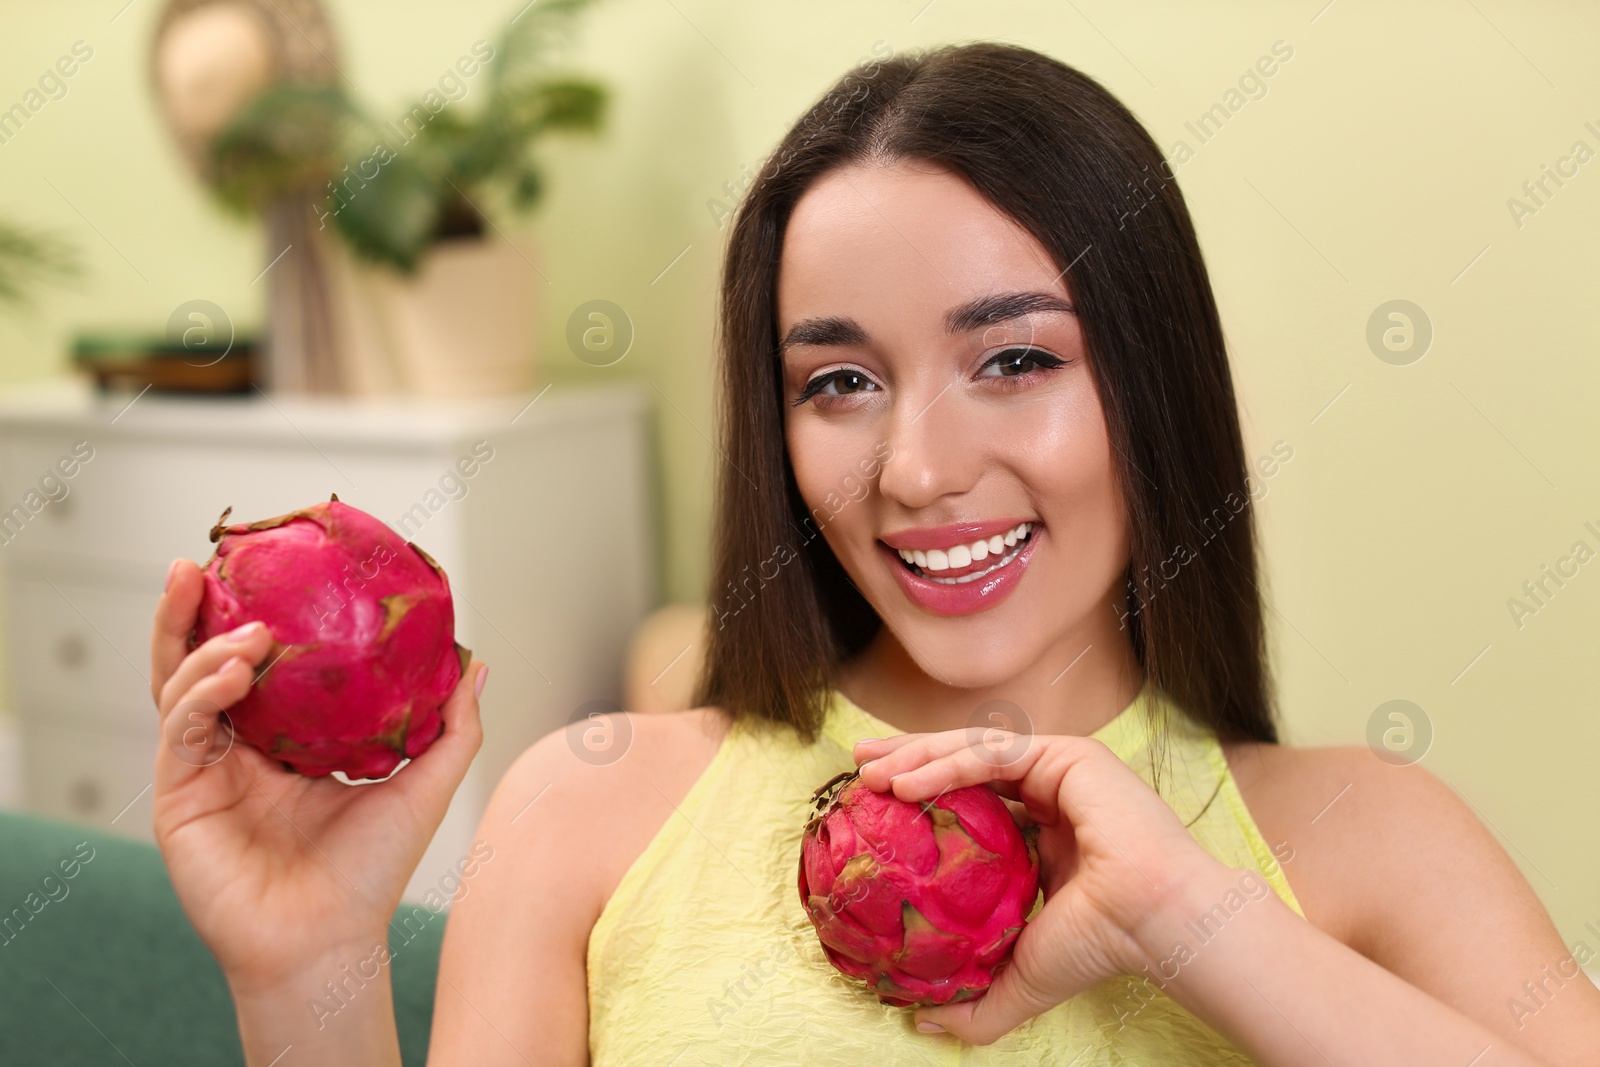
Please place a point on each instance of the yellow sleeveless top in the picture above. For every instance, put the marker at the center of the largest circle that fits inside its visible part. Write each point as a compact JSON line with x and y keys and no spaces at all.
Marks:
{"x":703,"y":954}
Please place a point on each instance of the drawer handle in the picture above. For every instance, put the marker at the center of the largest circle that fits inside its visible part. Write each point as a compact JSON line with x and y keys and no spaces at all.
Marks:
{"x":72,"y":650}
{"x":85,"y":796}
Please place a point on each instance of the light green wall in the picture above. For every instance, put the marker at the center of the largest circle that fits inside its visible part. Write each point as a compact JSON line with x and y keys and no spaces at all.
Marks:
{"x":1377,"y":166}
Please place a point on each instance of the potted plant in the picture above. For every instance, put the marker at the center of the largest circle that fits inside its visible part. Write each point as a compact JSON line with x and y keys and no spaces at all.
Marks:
{"x":433,"y":297}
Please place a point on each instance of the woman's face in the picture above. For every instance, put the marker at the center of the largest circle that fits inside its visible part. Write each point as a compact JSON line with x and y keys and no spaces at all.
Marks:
{"x":928,"y":339}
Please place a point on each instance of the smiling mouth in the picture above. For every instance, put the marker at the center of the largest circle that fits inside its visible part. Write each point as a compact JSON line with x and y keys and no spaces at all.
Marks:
{"x":961,"y":564}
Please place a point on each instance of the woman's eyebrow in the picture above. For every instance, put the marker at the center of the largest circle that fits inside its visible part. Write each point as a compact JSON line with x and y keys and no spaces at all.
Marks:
{"x":963,"y":318}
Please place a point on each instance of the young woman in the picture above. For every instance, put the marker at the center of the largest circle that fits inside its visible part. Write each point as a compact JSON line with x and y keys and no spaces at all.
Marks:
{"x":980,"y":466}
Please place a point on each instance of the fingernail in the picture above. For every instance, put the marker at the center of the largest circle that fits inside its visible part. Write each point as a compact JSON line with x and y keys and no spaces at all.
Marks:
{"x":245,"y":632}
{"x":868,"y":740}
{"x":930,"y":1028}
{"x":172,"y":572}
{"x":477,"y":687}
{"x":228,"y":663}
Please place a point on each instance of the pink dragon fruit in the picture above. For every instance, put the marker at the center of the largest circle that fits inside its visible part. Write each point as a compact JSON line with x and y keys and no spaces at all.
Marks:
{"x":364,"y":650}
{"x":922,"y":901}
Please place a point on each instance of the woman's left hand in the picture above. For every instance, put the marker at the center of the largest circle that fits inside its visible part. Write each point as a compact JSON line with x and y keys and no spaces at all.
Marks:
{"x":1112,"y":854}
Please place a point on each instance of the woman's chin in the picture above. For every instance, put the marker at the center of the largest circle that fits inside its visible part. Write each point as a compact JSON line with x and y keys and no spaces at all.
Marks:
{"x":956,"y":656}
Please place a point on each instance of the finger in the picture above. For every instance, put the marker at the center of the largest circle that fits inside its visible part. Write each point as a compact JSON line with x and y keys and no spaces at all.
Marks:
{"x":251,"y":641}
{"x":193,"y":738}
{"x":174,"y":619}
{"x":945,"y":760}
{"x":1010,"y":1002}
{"x":876,"y":747}
{"x":1000,"y":742}
{"x":437,"y":773}
{"x":879,"y":779}
{"x":1034,"y":776}
{"x":908,"y":751}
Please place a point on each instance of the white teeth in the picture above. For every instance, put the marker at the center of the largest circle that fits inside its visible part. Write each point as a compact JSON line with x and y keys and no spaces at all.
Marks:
{"x":975,"y":575}
{"x":958,"y":556}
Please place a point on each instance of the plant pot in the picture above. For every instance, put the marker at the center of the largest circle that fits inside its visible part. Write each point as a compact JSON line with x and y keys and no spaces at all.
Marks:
{"x":465,"y":324}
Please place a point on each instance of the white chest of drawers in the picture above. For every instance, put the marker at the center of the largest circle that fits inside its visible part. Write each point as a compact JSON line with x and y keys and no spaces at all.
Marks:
{"x":547,"y":545}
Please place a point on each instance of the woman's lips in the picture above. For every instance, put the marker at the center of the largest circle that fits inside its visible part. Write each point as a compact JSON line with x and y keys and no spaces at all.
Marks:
{"x":965,"y":598}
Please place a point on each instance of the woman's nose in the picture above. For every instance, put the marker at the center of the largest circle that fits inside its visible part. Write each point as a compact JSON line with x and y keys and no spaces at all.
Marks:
{"x":936,"y":451}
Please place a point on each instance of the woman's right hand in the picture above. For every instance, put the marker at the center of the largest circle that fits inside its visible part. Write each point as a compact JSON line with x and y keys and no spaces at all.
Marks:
{"x":279,"y":873}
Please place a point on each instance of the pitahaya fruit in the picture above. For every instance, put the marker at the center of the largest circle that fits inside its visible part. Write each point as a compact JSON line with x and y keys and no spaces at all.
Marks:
{"x":922,"y":901}
{"x":364,"y":650}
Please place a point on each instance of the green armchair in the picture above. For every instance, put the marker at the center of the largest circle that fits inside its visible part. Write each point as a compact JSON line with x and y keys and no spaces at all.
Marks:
{"x":98,"y":963}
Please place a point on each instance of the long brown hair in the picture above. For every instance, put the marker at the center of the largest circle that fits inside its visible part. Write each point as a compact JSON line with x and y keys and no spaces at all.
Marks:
{"x":1051,"y":148}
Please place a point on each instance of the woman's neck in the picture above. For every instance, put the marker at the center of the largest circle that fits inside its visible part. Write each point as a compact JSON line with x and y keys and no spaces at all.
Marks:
{"x":1076,"y":687}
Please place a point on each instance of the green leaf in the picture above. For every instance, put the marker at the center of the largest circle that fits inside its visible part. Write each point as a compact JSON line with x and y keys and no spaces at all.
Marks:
{"x":558,"y":104}
{"x":512,"y":121}
{"x":29,"y":258}
{"x":391,"y":217}
{"x":536,"y":31}
{"x":289,"y":138}
{"x":526,"y":188}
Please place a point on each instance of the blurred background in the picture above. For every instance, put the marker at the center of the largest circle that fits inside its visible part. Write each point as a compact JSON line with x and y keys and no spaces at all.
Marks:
{"x":487,"y":226}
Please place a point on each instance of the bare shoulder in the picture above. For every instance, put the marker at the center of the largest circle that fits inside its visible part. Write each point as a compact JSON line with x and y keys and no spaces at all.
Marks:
{"x":566,"y":821}
{"x":1292,"y":794}
{"x":1368,"y":838}
{"x":1396,"y":864}
{"x":609,"y":785}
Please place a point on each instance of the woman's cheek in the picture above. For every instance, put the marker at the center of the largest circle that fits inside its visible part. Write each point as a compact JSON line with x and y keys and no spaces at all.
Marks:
{"x":827,"y":470}
{"x":1070,"y":469}
{"x":813,"y":453}
{"x":830,"y":446}
{"x":808,"y":459}
{"x":1065,"y":436}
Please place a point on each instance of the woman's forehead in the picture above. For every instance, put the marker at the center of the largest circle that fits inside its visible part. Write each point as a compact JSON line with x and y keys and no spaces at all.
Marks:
{"x":911,"y":237}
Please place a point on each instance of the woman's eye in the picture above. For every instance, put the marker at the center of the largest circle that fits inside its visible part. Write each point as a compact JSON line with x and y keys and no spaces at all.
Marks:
{"x":1016,"y":361}
{"x":836,"y":383}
